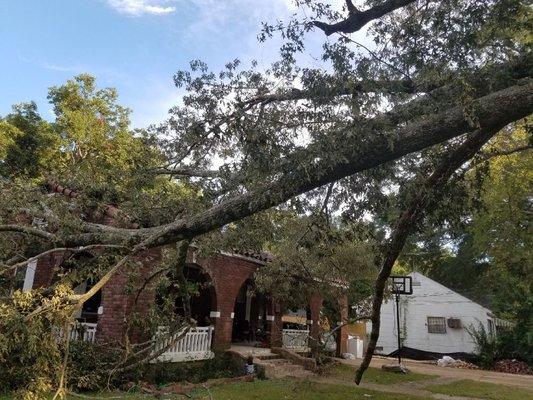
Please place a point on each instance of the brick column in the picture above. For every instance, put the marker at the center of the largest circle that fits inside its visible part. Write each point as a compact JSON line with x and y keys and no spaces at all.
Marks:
{"x":274,"y":323}
{"x":315,"y":305}
{"x":223,"y":328}
{"x":342,"y":332}
{"x":113,"y":307}
{"x":117,"y":305}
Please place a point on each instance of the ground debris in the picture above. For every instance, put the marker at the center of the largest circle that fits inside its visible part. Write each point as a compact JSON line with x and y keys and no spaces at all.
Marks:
{"x":184,"y":388}
{"x":513,"y":367}
{"x":398,"y":368}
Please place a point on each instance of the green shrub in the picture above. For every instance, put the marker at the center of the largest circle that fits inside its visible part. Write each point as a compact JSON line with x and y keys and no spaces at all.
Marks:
{"x":89,"y":365}
{"x":221,"y":366}
{"x":30,"y":355}
{"x":508,"y":343}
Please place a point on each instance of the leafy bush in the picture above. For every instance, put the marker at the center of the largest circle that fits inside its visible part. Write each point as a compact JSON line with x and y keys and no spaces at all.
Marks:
{"x":486,"y":346}
{"x":30,"y":356}
{"x":221,"y":366}
{"x":89,"y":365}
{"x":510,"y":343}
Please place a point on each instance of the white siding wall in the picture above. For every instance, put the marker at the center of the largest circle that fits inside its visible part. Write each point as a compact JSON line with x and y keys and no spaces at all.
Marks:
{"x":430,"y":299}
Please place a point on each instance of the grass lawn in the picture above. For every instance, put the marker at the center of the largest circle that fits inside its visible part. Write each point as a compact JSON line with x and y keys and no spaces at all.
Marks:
{"x":295,"y":390}
{"x":376,"y":375}
{"x":275,"y":389}
{"x":481,"y":390}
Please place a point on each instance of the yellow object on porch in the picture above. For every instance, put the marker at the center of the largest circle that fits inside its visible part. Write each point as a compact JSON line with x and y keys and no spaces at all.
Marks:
{"x":295,"y":319}
{"x":357,"y":329}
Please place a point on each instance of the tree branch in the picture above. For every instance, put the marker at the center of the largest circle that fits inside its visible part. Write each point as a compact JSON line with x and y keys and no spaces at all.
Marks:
{"x":178,"y":274}
{"x":7,"y":267}
{"x":307,"y":171}
{"x":357,"y":19}
{"x":496,"y":109}
{"x":28,"y":230}
{"x":188,"y":172}
{"x":488,"y":156}
{"x":344,"y":87}
{"x":351,"y":7}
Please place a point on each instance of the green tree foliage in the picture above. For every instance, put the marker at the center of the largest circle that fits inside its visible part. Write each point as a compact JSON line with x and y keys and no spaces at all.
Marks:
{"x":27,"y":142}
{"x":501,"y":227}
{"x":310,"y":257}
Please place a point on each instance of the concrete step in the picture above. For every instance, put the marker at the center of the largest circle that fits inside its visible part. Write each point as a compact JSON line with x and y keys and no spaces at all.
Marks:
{"x":271,"y":356}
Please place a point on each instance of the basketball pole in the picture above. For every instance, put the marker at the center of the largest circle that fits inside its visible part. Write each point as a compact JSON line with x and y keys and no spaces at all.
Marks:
{"x":398,"y":326}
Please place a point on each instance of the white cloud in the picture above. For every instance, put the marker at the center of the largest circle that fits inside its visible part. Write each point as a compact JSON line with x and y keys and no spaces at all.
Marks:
{"x":140,"y":7}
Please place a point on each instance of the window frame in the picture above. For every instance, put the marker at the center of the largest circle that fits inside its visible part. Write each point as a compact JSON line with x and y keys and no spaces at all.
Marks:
{"x":436,"y":328}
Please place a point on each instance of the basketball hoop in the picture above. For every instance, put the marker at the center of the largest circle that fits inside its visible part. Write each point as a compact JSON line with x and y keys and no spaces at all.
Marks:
{"x":400,"y":285}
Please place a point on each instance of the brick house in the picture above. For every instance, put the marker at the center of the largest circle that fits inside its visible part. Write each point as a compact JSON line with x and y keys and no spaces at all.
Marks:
{"x":224,"y":301}
{"x":225,"y":309}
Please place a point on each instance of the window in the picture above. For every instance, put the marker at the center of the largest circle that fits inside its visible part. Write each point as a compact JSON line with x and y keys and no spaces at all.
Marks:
{"x":436,"y":325}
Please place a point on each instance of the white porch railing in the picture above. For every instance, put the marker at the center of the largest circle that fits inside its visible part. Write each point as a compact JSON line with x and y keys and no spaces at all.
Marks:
{"x":84,"y":331}
{"x":195,"y":345}
{"x":295,"y":339}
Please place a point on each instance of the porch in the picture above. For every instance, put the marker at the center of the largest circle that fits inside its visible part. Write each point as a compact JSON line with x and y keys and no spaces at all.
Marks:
{"x":198,"y":342}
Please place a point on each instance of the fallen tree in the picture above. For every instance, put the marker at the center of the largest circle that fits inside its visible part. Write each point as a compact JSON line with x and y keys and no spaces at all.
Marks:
{"x":367,"y":118}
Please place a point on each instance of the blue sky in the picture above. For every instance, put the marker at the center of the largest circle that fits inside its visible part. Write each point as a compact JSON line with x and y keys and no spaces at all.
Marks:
{"x":133,"y":45}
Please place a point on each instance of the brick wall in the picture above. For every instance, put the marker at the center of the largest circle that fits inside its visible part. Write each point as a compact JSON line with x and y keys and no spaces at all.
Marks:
{"x":117,"y":304}
{"x":44,"y":271}
{"x":227,"y":272}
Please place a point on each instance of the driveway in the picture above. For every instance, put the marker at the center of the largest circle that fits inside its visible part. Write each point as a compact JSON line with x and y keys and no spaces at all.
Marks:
{"x":425,"y":367}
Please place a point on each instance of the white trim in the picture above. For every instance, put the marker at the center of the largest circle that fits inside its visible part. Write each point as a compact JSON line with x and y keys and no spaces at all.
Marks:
{"x":29,"y":277}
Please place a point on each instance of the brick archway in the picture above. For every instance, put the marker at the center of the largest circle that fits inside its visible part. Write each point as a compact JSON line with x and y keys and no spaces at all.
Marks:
{"x":228,"y":273}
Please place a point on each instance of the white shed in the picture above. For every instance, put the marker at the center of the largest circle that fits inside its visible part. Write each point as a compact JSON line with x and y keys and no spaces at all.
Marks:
{"x":432,"y":319}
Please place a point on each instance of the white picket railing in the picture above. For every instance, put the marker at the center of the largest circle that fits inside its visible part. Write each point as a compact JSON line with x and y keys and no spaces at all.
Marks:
{"x":84,"y":331}
{"x":195,"y":345}
{"x":295,"y":339}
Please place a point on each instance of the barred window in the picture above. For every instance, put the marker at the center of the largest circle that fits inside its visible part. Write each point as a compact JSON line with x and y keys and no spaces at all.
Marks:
{"x":436,"y":324}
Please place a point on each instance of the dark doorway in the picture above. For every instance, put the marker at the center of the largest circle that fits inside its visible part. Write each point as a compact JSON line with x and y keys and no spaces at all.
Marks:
{"x":202,"y":295}
{"x":249,"y":317}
